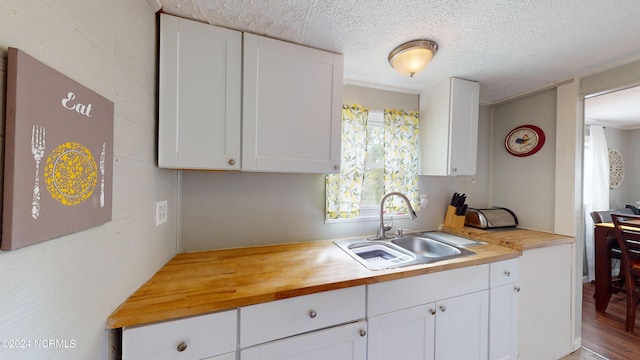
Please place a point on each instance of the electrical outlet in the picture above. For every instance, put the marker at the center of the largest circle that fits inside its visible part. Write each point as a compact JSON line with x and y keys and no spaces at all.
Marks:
{"x":161,"y":212}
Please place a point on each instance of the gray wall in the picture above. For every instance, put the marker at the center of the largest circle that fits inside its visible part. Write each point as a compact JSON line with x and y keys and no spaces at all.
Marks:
{"x":64,"y":289}
{"x":632,"y":168}
{"x":234,"y":209}
{"x":526,"y":184}
{"x":628,"y":143}
{"x":619,"y":139}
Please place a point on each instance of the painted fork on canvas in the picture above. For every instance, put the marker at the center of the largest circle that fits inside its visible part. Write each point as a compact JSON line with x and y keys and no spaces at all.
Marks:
{"x":37,"y":149}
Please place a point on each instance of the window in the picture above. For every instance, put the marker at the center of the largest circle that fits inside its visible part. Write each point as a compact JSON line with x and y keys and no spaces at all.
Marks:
{"x":379,"y":155}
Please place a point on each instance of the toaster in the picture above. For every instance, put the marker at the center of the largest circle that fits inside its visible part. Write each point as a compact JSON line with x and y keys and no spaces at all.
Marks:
{"x":492,"y":218}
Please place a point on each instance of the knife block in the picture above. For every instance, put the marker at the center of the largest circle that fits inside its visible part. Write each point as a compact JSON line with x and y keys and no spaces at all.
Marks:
{"x":452,"y":220}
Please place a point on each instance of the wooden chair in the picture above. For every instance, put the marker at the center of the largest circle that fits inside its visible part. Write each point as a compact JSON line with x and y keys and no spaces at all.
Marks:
{"x":604,"y":216}
{"x":628,"y":234}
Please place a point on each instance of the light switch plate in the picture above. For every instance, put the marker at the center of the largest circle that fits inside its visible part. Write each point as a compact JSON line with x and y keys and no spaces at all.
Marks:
{"x":423,"y":200}
{"x":161,"y":212}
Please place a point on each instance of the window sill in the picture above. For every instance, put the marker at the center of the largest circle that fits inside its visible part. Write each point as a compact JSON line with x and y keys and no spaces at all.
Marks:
{"x":369,"y":218}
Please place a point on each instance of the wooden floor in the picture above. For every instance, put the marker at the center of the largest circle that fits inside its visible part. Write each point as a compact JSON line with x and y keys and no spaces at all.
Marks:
{"x":604,"y":333}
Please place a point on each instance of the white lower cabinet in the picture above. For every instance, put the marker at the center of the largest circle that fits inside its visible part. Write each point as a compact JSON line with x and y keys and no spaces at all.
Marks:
{"x":345,"y":342}
{"x":437,"y":316}
{"x":466,"y":313}
{"x":406,"y":334}
{"x":546,"y":301}
{"x":462,"y":327}
{"x":503,"y":310}
{"x":454,"y":328}
{"x":210,"y":336}
{"x":325,"y":325}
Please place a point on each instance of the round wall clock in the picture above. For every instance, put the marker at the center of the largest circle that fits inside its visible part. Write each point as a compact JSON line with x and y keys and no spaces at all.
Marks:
{"x":616,"y":168}
{"x":524,"y":140}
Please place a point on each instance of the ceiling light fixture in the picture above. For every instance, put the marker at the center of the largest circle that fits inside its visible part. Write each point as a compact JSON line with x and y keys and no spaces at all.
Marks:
{"x":413,"y":56}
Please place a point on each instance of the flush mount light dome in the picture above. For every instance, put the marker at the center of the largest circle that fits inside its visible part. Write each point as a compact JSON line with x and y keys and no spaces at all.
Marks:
{"x":413,"y":56}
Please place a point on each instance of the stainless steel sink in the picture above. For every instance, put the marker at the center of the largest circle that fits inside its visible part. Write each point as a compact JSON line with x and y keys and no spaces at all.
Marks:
{"x":423,"y":248}
{"x":426,"y":247}
{"x":429,"y":248}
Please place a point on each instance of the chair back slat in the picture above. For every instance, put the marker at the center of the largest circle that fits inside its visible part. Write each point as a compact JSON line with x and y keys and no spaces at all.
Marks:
{"x":627,"y":228}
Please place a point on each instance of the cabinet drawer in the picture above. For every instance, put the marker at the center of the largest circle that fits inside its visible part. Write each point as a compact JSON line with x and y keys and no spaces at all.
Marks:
{"x":503,"y":272}
{"x":413,"y":291}
{"x":203,"y":336}
{"x":278,"y":319}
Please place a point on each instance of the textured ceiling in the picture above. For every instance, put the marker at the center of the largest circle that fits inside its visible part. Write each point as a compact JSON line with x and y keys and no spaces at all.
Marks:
{"x":620,"y":109}
{"x":509,"y":46}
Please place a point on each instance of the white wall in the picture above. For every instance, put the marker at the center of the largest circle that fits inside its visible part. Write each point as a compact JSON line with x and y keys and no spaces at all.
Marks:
{"x":526,"y":185}
{"x":64,"y":289}
{"x":234,"y":209}
{"x":627,"y":142}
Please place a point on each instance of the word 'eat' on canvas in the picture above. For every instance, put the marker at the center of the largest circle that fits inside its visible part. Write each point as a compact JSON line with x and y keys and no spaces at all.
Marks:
{"x":68,"y":103}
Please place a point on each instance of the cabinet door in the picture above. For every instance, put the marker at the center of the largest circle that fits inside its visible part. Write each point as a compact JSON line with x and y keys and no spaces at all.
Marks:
{"x":292,"y":107}
{"x":199,"y":95}
{"x":463,"y":135}
{"x":546,"y":302}
{"x":346,"y":342}
{"x":462,"y":327}
{"x":449,"y":128}
{"x":503,"y":322}
{"x":406,"y":334}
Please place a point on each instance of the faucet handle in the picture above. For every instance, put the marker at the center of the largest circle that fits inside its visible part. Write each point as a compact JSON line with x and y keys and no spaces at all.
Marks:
{"x":400,"y":232}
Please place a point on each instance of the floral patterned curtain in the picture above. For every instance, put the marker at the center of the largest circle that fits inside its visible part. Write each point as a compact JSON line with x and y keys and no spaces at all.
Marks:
{"x":344,"y":191}
{"x":401,"y":158}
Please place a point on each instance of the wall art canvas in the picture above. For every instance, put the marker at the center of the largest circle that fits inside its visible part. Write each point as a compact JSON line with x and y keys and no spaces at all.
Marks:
{"x":58,"y":155}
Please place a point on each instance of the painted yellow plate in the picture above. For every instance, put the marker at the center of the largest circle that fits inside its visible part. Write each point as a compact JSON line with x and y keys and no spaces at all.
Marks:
{"x":71,"y":173}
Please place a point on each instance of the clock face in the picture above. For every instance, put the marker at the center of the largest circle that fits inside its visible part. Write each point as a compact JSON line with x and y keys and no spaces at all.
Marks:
{"x":524,"y":140}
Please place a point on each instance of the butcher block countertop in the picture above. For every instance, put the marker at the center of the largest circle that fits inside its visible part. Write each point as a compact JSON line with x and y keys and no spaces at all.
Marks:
{"x":517,"y":238}
{"x":209,"y":281}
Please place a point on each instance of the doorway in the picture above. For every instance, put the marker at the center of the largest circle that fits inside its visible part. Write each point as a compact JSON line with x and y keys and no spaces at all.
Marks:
{"x":610,"y":171}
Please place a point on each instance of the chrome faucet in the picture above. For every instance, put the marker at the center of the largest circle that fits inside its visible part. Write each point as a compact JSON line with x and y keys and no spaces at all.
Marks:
{"x":381,"y":226}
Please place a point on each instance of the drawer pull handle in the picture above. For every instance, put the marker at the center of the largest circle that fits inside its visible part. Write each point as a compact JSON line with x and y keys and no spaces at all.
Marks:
{"x":507,"y":272}
{"x":232,"y":162}
{"x":182,"y":347}
{"x":432,"y":311}
{"x":362,"y":332}
{"x":313,"y":314}
{"x":443,"y":308}
{"x":516,"y":288}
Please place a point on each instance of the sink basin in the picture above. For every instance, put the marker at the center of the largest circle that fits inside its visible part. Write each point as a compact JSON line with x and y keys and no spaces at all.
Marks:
{"x":377,"y":255}
{"x":426,"y":247}
{"x":400,"y":251}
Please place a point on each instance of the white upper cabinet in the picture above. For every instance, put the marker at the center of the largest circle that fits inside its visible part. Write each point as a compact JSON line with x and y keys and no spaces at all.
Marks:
{"x":281,"y":113}
{"x":199,"y":96}
{"x":449,"y":128}
{"x":292,"y":103}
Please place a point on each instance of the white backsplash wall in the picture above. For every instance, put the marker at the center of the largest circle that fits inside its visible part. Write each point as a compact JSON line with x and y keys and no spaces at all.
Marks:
{"x":234,"y":209}
{"x":63,"y":290}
